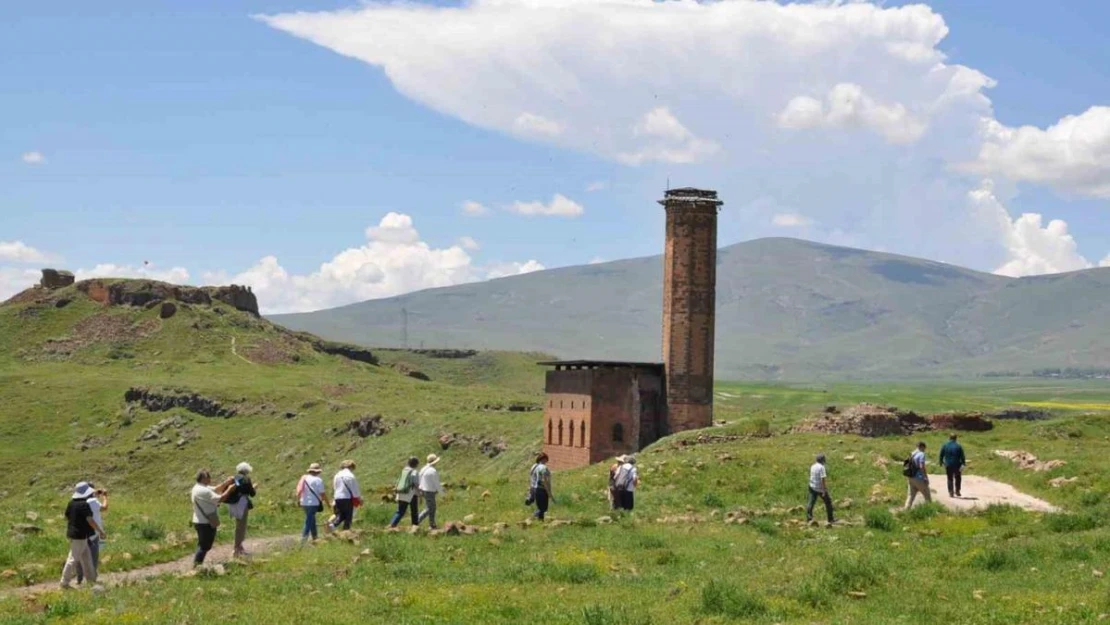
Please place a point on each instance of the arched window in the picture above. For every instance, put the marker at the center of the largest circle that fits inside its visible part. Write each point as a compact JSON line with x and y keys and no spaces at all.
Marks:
{"x":560,"y":431}
{"x":550,"y":428}
{"x":571,"y":433}
{"x":618,"y":433}
{"x":581,"y":433}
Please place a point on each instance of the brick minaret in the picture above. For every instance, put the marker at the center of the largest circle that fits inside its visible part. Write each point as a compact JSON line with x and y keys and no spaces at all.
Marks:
{"x":689,"y":301}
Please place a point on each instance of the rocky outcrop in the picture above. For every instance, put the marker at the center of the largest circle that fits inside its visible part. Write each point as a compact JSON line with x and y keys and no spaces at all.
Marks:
{"x":154,"y":401}
{"x":145,"y":293}
{"x":350,"y":352}
{"x":871,"y":420}
{"x":55,"y":279}
{"x":365,"y":427}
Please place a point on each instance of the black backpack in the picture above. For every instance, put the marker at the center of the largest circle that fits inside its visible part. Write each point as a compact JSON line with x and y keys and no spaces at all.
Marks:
{"x":909,"y":469}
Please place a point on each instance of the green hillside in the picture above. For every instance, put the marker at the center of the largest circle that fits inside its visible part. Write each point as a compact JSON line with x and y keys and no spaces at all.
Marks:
{"x":786,"y":309}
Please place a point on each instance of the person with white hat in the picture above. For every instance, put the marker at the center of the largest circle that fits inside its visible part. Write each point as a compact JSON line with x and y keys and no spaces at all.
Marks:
{"x":313,"y":498}
{"x":429,"y":487}
{"x":614,"y":500}
{"x":98,"y":503}
{"x":239,"y":504}
{"x":346,"y":494}
{"x":80,"y":526}
{"x":625,"y":483}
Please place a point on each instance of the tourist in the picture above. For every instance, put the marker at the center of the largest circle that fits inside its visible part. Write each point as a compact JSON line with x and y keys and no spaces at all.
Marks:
{"x":819,"y":487}
{"x":614,"y":500}
{"x":429,"y":487}
{"x":953,"y":460}
{"x":239,"y":504}
{"x":625,"y":483}
{"x":80,"y":527}
{"x":312,"y":497}
{"x":916,"y":476}
{"x":539,"y":483}
{"x":206,"y":511}
{"x":406,"y":493}
{"x":98,"y":503}
{"x":346,"y":494}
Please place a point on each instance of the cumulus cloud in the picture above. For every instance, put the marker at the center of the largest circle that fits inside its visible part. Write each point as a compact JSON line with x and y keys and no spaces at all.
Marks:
{"x":474,"y":209}
{"x":847,"y":106}
{"x":1072,"y":155}
{"x":1032,"y":247}
{"x":791,"y":220}
{"x":531,"y":124}
{"x":667,"y":140}
{"x":33,"y":158}
{"x":559,"y":206}
{"x":15,"y":279}
{"x":393,"y":260}
{"x":20,"y":252}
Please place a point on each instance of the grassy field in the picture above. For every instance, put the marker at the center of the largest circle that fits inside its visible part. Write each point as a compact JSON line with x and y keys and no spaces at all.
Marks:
{"x":675,"y":560}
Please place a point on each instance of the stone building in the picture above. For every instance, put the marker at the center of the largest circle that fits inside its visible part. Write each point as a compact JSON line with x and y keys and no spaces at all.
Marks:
{"x":598,"y":409}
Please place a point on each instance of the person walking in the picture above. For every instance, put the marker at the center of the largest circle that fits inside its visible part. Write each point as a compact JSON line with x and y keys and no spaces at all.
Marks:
{"x":206,"y":511}
{"x":80,"y":526}
{"x":614,"y":500}
{"x":819,"y":488}
{"x":429,"y":486}
{"x":239,"y":504}
{"x":916,"y":476}
{"x":406,"y":493}
{"x":953,"y":460}
{"x":625,"y":483}
{"x":539,"y":479}
{"x":98,"y":503}
{"x":346,"y":495}
{"x":312,"y":498}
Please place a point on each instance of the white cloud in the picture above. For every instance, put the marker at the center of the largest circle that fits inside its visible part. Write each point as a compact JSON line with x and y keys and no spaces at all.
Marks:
{"x":559,"y":206}
{"x":596,"y":260}
{"x":393,"y":260}
{"x":667,"y":140}
{"x":531,"y":124}
{"x":1032,"y":247}
{"x":1072,"y":155}
{"x":503,"y":270}
{"x":474,"y":209}
{"x":847,"y":106}
{"x":791,"y":220}
{"x":20,"y":252}
{"x":16,"y":279}
{"x":173,"y":275}
{"x":1105,"y":262}
{"x":33,"y":158}
{"x":598,"y":185}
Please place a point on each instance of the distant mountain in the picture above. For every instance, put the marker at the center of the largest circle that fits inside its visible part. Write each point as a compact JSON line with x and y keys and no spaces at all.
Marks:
{"x":786,"y":309}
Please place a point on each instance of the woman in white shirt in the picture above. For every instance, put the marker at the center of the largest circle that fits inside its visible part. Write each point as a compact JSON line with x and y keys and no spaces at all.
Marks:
{"x":429,"y":487}
{"x":313,"y":498}
{"x":346,"y":494}
{"x":206,"y":509}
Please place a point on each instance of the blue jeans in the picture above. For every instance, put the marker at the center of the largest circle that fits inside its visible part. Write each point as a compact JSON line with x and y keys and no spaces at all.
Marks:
{"x":413,"y":507}
{"x":542,"y":501}
{"x":309,"y":522}
{"x":814,"y":495}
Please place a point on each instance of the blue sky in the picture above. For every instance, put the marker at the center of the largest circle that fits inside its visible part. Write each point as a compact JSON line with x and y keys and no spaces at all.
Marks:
{"x":202,"y":140}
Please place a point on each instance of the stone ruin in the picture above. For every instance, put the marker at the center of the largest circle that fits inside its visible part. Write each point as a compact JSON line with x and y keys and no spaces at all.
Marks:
{"x":147,"y":293}
{"x":873,"y":420}
{"x":53,"y":279}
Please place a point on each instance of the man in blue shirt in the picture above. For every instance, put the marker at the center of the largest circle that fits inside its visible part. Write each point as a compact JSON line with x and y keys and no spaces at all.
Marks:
{"x":953,"y":460}
{"x":919,"y":481}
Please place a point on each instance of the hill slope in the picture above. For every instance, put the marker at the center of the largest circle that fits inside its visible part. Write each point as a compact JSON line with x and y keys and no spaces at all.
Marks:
{"x":785,"y":309}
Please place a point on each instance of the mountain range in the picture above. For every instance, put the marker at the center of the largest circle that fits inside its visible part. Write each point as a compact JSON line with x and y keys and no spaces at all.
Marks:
{"x":786,"y":309}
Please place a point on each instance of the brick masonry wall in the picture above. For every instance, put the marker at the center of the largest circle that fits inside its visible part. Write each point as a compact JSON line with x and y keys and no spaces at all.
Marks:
{"x":689,"y":302}
{"x":567,"y":412}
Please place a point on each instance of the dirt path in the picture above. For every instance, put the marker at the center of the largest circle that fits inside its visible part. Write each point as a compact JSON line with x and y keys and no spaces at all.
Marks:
{"x":980,"y":492}
{"x":219,"y":555}
{"x":237,"y":354}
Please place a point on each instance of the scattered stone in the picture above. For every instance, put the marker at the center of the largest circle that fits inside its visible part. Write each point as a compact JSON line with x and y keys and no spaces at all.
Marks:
{"x":53,"y":279}
{"x":873,"y":420}
{"x":857,"y":594}
{"x":410,"y":371}
{"x":63,"y":302}
{"x":365,"y":427}
{"x":1057,"y":482}
{"x":32,"y":516}
{"x":604,"y":520}
{"x":469,"y":518}
{"x":161,"y":402}
{"x":26,"y":529}
{"x":851,"y":458}
{"x":486,"y":494}
{"x":168,"y":310}
{"x":8,"y":574}
{"x":1028,"y":461}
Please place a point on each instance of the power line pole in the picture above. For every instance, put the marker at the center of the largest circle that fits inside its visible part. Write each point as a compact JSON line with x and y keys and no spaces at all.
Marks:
{"x":404,"y":328}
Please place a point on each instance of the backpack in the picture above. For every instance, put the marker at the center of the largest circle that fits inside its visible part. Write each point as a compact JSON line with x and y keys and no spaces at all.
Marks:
{"x":909,"y":469}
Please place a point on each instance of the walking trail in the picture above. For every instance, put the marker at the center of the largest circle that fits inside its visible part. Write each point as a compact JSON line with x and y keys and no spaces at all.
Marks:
{"x":980,"y":492}
{"x":219,"y":555}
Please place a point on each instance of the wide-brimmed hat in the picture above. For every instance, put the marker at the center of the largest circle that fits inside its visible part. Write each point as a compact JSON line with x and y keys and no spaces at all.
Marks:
{"x":82,"y":491}
{"x":432,"y":458}
{"x":315,"y":468}
{"x":622,"y":458}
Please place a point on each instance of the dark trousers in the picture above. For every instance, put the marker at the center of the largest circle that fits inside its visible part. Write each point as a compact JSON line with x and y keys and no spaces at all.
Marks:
{"x":414,"y":511}
{"x":206,"y":536}
{"x":309,"y":523}
{"x":344,"y":512}
{"x":626,"y":499}
{"x":955,"y":478}
{"x":813,"y":495}
{"x":542,"y":502}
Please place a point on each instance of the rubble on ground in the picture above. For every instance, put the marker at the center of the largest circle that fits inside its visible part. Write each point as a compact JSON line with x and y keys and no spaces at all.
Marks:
{"x":873,"y":420}
{"x":1028,"y":461}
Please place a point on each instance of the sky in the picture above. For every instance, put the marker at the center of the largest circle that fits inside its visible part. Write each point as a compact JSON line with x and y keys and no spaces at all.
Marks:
{"x":327,"y":152}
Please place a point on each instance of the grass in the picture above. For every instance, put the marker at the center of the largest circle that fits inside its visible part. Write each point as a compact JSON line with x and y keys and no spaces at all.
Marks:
{"x":637,"y":570}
